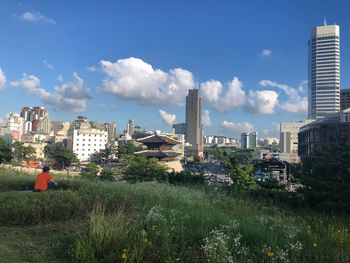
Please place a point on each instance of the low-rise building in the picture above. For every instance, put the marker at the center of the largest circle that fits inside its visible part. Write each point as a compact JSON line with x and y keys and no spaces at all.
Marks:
{"x":322,"y":134}
{"x":289,"y":140}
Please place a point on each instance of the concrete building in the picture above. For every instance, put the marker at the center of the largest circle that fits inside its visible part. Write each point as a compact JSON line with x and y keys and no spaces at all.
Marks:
{"x":289,"y":140}
{"x":60,"y":126}
{"x":179,"y":128}
{"x":38,"y":117}
{"x":85,"y":141}
{"x":324,"y":71}
{"x":111,"y":128}
{"x":322,"y":134}
{"x":249,"y":140}
{"x":344,"y":99}
{"x":39,"y":148}
{"x":193,"y":123}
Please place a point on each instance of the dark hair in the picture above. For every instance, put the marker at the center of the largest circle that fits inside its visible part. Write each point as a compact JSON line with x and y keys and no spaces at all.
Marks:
{"x":46,"y":169}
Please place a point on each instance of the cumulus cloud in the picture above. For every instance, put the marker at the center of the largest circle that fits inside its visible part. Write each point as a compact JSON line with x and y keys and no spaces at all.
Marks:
{"x":134,"y":79}
{"x":266,"y":52}
{"x":206,"y":118}
{"x":2,"y":79}
{"x":261,"y":101}
{"x":236,"y":129}
{"x":36,"y":17}
{"x":296,"y":103}
{"x":292,"y":92}
{"x":47,"y":64}
{"x":223,"y":98}
{"x":168,"y":118}
{"x":71,"y":96}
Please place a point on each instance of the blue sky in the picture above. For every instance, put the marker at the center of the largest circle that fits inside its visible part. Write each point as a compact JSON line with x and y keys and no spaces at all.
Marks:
{"x":116,"y":60}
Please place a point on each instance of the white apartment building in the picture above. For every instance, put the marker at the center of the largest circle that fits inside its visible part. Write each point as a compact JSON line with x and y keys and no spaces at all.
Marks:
{"x":324,"y":71}
{"x":289,"y":140}
{"x":85,"y":142}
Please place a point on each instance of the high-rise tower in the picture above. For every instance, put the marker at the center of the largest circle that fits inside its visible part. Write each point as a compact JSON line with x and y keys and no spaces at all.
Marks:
{"x":324,"y":71}
{"x":193,"y":122}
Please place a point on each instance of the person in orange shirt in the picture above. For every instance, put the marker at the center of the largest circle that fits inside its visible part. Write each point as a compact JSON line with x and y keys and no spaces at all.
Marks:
{"x":44,"y":181}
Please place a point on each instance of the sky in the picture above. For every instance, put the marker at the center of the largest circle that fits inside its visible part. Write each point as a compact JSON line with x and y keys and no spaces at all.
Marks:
{"x":119,"y":60}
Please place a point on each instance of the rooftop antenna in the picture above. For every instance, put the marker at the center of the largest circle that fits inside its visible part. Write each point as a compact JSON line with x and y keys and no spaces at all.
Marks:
{"x":324,"y":21}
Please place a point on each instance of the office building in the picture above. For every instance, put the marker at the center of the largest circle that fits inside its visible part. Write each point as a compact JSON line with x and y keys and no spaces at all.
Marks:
{"x":289,"y":140}
{"x":193,"y":123}
{"x":344,"y":99}
{"x":179,"y":128}
{"x":324,"y":71}
{"x":322,"y":134}
{"x":249,"y":140}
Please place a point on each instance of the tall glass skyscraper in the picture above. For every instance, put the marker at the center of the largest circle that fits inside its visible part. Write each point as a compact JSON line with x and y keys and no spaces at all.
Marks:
{"x":324,"y":71}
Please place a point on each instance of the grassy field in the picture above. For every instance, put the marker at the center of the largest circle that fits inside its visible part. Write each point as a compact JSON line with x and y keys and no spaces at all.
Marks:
{"x":95,"y":221}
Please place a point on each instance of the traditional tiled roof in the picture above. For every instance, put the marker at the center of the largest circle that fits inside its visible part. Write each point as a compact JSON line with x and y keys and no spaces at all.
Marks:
{"x":154,"y":153}
{"x":155,"y":138}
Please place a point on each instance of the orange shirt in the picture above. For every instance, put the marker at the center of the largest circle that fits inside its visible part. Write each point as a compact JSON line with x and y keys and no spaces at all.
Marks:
{"x":41,"y":181}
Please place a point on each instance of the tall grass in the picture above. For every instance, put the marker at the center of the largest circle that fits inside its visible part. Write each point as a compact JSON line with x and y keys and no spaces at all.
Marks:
{"x":152,"y":222}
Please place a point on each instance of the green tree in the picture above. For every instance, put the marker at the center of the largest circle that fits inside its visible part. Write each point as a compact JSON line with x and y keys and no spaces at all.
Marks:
{"x":104,"y":156}
{"x":60,"y":156}
{"x":107,"y":174}
{"x":91,"y":170}
{"x":140,"y":169}
{"x":21,"y":152}
{"x":241,"y":175}
{"x":127,"y":149}
{"x":327,"y":184}
{"x":5,"y":151}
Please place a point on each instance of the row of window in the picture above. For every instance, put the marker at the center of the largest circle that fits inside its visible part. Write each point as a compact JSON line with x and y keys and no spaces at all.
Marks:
{"x":89,"y":135}
{"x":90,"y":140}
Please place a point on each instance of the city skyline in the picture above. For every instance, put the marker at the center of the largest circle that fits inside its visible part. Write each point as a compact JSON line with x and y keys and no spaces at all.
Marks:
{"x":143,"y":69}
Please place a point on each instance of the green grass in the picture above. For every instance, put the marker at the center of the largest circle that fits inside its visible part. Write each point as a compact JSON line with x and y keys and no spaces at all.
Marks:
{"x":95,"y":221}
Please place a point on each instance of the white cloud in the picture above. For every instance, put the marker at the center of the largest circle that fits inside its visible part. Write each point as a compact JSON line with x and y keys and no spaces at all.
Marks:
{"x":36,"y":17}
{"x":71,"y":96}
{"x":50,"y":66}
{"x":262,"y":101}
{"x":303,"y":86}
{"x":295,"y":103}
{"x":273,"y":131}
{"x":299,"y":107}
{"x":91,"y":69}
{"x":236,"y":129}
{"x":134,"y":79}
{"x":291,"y":92}
{"x":167,"y":117}
{"x":206,"y":118}
{"x":101,"y":105}
{"x":60,"y":78}
{"x":266,"y":52}
{"x":2,"y":79}
{"x":232,"y":97}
